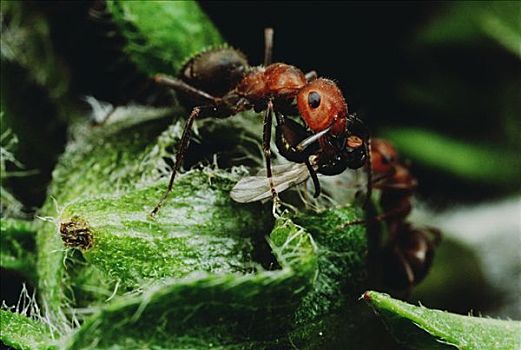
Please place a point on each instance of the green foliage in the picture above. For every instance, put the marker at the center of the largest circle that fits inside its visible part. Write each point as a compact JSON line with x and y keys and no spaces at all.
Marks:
{"x":420,"y":328}
{"x":199,"y":229}
{"x":162,"y":35}
{"x":234,"y":310}
{"x":224,"y":311}
{"x":100,"y":161}
{"x":340,"y":251}
{"x":463,"y":86}
{"x":474,"y":163}
{"x":26,"y":40}
{"x":24,"y":333}
{"x":467,"y":22}
{"x":9,"y":205}
{"x":202,"y":274}
{"x":17,"y":246}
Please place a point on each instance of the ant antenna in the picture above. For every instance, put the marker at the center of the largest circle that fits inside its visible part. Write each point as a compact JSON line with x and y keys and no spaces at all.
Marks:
{"x":268,"y":46}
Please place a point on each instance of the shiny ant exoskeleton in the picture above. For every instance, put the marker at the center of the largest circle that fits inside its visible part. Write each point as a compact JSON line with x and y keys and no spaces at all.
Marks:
{"x":219,"y":83}
{"x":409,"y":251}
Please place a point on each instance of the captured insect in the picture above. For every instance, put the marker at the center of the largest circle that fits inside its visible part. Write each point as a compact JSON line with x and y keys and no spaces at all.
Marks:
{"x":409,"y":251}
{"x":220,"y":83}
{"x":255,"y":188}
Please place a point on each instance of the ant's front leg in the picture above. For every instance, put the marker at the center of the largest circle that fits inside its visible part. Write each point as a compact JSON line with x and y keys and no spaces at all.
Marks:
{"x":266,"y":139}
{"x":295,"y":144}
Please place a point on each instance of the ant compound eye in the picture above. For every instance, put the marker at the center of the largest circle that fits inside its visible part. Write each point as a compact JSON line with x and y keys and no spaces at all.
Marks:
{"x":314,"y":99}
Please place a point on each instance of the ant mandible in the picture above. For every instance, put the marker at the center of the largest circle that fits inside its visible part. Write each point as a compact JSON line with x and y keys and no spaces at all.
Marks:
{"x":219,"y":83}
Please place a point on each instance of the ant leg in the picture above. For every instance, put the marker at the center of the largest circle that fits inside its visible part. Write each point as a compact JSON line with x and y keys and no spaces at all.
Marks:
{"x":314,"y":177}
{"x":312,"y":75}
{"x":268,"y":46}
{"x":183,"y":145}
{"x":179,"y":85}
{"x":399,"y":211}
{"x":266,"y":139}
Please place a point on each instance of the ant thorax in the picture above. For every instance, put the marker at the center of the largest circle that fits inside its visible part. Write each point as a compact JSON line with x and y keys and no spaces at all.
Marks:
{"x":278,"y":80}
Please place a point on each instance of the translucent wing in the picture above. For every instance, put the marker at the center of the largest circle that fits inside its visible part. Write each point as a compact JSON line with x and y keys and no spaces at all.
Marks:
{"x":256,"y":188}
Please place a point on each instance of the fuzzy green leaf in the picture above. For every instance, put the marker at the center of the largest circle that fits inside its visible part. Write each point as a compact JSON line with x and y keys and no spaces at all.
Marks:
{"x":309,"y":302}
{"x":116,"y":157}
{"x":119,"y":166}
{"x":105,"y":186}
{"x":420,"y":328}
{"x":162,"y":35}
{"x":225,"y":311}
{"x":198,"y":229}
{"x":24,"y":333}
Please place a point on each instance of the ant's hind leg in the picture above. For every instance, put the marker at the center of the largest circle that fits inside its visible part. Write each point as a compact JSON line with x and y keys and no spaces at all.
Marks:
{"x":179,"y":85}
{"x":399,"y":211}
{"x":183,"y":145}
{"x":268,"y":46}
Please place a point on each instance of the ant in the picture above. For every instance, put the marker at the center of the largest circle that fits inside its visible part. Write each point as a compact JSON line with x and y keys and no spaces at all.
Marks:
{"x":409,"y":252}
{"x":220,"y":83}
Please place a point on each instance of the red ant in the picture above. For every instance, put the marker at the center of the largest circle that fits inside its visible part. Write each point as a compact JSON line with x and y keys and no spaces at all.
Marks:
{"x":219,"y":83}
{"x":409,"y":251}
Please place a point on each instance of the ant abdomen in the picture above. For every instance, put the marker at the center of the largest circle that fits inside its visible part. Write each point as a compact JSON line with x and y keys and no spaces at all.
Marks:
{"x":216,"y":71}
{"x":408,"y":258}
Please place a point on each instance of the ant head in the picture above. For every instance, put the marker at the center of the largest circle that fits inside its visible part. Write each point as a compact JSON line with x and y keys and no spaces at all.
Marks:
{"x":383,"y":156}
{"x":321,"y":104}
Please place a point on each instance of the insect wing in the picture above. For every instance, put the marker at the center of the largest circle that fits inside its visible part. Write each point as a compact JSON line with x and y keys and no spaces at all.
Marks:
{"x":256,"y":188}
